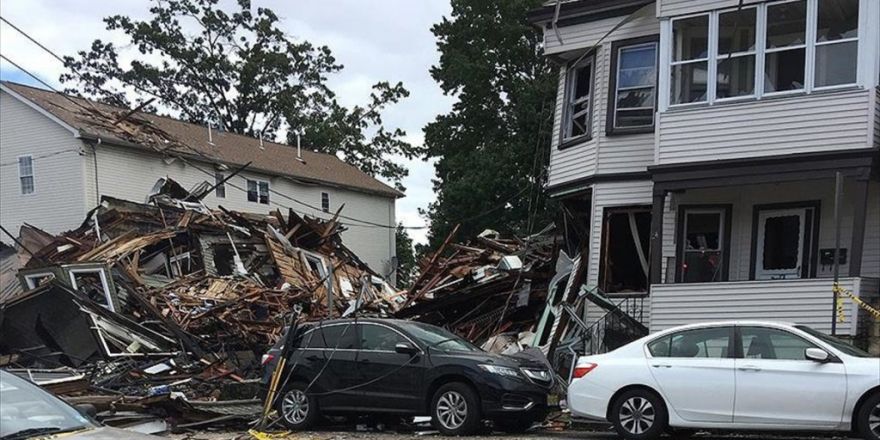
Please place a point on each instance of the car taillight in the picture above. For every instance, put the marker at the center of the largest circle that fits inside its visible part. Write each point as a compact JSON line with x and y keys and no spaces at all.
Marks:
{"x":266,"y":359}
{"x":581,"y":370}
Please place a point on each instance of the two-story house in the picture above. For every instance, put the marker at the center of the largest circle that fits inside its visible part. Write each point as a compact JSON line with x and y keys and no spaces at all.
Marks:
{"x":60,"y":154}
{"x":701,"y":142}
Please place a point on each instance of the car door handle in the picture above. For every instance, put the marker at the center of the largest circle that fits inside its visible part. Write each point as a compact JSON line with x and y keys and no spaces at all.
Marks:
{"x":661,"y":366}
{"x":749,"y":368}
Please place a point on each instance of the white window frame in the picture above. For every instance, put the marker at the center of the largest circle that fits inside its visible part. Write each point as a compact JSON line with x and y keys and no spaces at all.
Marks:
{"x":31,"y":278}
{"x":258,"y":182}
{"x":618,"y":89}
{"x":710,"y":85}
{"x":104,"y":284}
{"x":760,"y":55}
{"x":32,"y":175}
{"x":713,"y":52}
{"x":588,"y":62}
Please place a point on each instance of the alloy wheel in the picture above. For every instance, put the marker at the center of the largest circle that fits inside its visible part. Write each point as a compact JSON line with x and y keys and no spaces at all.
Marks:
{"x":636,"y":415}
{"x":874,"y":420}
{"x":451,"y":410}
{"x":295,"y":407}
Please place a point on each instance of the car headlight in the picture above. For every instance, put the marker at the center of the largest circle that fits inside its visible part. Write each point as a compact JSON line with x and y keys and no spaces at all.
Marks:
{"x":497,"y":369}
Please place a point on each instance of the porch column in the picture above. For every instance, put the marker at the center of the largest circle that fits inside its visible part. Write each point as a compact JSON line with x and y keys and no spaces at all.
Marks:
{"x":860,"y":212}
{"x":656,"y":266}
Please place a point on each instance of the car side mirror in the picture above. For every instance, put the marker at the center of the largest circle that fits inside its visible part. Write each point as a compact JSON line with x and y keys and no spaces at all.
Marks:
{"x":406,"y":348}
{"x":817,"y":355}
{"x":87,"y":409}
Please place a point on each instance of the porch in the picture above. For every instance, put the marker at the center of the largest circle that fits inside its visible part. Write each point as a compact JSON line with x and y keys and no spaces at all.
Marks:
{"x":755,"y":240}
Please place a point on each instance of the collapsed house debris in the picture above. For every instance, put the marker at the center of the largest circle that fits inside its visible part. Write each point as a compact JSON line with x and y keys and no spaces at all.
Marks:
{"x":168,"y":305}
{"x":512,"y":294}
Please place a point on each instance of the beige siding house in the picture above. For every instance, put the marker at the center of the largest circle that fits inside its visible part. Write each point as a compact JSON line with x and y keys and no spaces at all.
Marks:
{"x":715,"y":199}
{"x":58,"y":159}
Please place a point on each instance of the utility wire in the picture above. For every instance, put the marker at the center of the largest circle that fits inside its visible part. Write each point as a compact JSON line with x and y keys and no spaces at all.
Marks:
{"x":364,"y":223}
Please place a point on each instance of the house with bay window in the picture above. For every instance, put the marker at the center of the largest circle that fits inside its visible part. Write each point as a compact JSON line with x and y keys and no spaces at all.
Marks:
{"x":699,"y":145}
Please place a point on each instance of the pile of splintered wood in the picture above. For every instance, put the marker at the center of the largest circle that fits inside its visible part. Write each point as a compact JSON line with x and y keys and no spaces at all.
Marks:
{"x":487,"y":286}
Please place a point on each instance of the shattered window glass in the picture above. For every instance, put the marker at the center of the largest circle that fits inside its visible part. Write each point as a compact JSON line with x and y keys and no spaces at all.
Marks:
{"x":580,"y":102}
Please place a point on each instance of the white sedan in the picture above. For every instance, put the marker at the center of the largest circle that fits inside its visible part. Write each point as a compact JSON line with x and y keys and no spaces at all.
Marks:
{"x":730,"y":375}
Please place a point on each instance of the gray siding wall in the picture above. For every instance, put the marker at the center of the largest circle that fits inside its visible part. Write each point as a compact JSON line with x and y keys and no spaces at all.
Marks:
{"x":818,"y":122}
{"x":602,"y":154}
{"x":743,"y":200}
{"x":800,"y":301}
{"x":57,"y":201}
{"x":130,"y":174}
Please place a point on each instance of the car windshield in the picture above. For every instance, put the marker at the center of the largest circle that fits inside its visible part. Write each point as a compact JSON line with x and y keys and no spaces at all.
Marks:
{"x":436,"y":337}
{"x":834,"y":342}
{"x":26,"y":409}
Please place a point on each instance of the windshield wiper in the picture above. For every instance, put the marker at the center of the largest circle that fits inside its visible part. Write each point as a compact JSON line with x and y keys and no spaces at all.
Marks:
{"x":33,"y":432}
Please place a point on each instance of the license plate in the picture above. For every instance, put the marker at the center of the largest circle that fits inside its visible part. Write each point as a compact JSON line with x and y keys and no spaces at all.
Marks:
{"x":553,"y":400}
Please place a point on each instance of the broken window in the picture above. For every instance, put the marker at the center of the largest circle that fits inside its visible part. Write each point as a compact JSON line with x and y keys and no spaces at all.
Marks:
{"x":690,"y":60}
{"x":180,"y":264}
{"x":579,"y":100}
{"x":316,"y":264}
{"x":783,"y":242}
{"x":35,"y":280}
{"x":702,"y":245}
{"x":626,"y":238}
{"x":92,"y":283}
{"x":219,"y":185}
{"x":736,"y":53}
{"x":786,"y":49}
{"x":258,"y":191}
{"x":325,"y":202}
{"x":26,"y":174}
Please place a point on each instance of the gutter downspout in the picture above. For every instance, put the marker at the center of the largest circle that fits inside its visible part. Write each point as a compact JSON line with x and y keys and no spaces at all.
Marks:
{"x":95,"y":162}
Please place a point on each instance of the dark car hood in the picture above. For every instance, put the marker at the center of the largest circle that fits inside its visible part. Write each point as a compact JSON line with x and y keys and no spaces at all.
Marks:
{"x":485,"y":357}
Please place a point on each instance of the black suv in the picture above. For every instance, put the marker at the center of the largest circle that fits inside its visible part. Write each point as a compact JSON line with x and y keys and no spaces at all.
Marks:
{"x":383,"y":366}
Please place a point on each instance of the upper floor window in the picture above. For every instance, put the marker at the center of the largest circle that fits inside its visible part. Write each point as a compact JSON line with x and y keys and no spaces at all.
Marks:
{"x":26,"y":174}
{"x":772,"y":48}
{"x":258,"y":191}
{"x":219,"y":185}
{"x":325,"y":202}
{"x":632,"y":97}
{"x":578,"y":110}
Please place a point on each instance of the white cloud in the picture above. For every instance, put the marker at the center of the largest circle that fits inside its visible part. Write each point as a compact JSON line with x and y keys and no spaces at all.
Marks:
{"x":375,"y":41}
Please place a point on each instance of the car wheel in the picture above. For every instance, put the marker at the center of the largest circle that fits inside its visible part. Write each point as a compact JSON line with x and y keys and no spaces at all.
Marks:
{"x":455,"y":409}
{"x":298,"y":411}
{"x":514,"y":424}
{"x":639,"y":415}
{"x":868,"y":418}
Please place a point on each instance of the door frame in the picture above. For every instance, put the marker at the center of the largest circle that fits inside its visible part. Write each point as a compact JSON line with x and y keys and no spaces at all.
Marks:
{"x":810,"y":249}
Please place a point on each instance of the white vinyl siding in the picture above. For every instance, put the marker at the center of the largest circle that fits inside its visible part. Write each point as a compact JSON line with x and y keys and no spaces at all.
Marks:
{"x":602,"y":154}
{"x":57,"y":203}
{"x":819,"y":122}
{"x":805,"y":302}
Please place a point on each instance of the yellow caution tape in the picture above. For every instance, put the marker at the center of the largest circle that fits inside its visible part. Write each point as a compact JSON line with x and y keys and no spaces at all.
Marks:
{"x":841,"y":292}
{"x":269,"y":436}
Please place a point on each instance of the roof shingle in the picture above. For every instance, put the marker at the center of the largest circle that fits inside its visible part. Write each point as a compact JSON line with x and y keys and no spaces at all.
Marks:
{"x":228,"y":148}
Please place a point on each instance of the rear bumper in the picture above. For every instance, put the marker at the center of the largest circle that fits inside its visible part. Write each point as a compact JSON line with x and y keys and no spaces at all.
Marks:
{"x":588,"y":400}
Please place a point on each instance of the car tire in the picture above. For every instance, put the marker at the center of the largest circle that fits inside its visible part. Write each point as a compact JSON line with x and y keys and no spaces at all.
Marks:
{"x":868,"y":418}
{"x":639,"y":414}
{"x":298,"y":411}
{"x":515,"y":424}
{"x":455,"y":409}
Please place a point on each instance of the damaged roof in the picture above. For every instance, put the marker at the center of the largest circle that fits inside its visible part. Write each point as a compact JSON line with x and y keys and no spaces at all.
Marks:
{"x":227,"y":148}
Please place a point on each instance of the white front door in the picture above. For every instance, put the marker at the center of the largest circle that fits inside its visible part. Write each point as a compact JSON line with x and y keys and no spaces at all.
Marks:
{"x":695,"y":373}
{"x":780,"y":243}
{"x":777,"y":385}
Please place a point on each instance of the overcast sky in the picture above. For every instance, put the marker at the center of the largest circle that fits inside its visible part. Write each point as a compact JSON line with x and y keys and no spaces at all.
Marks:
{"x":375,"y":40}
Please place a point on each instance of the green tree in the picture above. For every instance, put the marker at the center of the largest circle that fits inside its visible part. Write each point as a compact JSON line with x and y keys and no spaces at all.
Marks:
{"x":406,"y":257}
{"x":240,"y":71}
{"x":492,"y":148}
